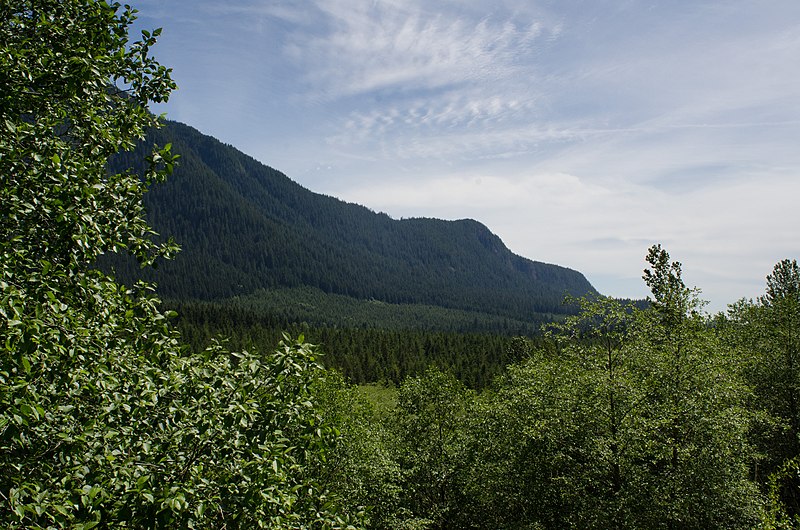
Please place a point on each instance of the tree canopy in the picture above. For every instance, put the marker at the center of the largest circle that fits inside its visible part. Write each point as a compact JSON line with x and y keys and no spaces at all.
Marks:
{"x":105,"y":419}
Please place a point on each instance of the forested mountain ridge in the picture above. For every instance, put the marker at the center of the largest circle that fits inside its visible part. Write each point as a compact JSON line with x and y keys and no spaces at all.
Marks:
{"x":244,"y":226}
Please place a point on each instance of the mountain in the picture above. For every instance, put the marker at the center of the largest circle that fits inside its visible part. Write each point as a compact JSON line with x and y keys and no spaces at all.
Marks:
{"x":245,"y":227}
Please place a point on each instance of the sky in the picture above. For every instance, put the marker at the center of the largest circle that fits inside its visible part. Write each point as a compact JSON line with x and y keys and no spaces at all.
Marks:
{"x":580,"y":132}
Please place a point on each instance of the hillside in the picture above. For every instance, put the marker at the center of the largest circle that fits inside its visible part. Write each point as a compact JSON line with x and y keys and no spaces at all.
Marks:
{"x":245,"y":227}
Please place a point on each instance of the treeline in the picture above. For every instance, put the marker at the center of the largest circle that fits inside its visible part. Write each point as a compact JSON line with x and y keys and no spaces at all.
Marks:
{"x":317,"y":308}
{"x":654,"y":418}
{"x":368,"y":353}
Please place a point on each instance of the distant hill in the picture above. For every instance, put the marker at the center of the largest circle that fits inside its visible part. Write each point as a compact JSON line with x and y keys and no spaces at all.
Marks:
{"x":245,"y":227}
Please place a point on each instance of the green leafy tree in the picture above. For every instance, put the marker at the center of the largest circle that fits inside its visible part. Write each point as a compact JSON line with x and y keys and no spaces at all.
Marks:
{"x":695,"y":455}
{"x":596,"y":343}
{"x":783,"y":496}
{"x":360,"y":468}
{"x":765,"y":333}
{"x":531,"y":446}
{"x":105,"y":419}
{"x":634,"y":420}
{"x":781,"y":304}
{"x":554,"y":446}
{"x":781,"y":361}
{"x":431,"y":423}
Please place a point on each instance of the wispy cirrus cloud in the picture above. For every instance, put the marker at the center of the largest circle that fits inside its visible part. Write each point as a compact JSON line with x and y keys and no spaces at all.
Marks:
{"x":425,"y":79}
{"x":452,"y":123}
{"x":411,"y":46}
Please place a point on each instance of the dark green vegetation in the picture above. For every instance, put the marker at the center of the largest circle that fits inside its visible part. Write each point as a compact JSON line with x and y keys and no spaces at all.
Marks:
{"x":362,"y":354}
{"x":246,"y":227}
{"x":261,"y":254}
{"x":621,"y":417}
{"x":653,"y":418}
{"x":317,"y":308}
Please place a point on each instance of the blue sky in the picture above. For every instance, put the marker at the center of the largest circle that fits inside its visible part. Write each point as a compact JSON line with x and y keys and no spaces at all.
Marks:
{"x":581,"y":132}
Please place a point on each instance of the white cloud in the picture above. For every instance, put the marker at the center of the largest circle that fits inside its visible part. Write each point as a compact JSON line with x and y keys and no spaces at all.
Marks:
{"x":461,"y":125}
{"x":407,"y":46}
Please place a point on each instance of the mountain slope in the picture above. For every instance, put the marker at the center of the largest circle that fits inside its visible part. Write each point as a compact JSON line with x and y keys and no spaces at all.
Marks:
{"x":244,"y":226}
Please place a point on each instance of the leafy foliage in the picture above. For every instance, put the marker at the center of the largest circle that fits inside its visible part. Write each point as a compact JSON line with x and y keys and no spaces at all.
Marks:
{"x":360,"y":467}
{"x":765,"y":335}
{"x":431,"y":423}
{"x":105,"y":419}
{"x":631,"y":419}
{"x":629,"y":416}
